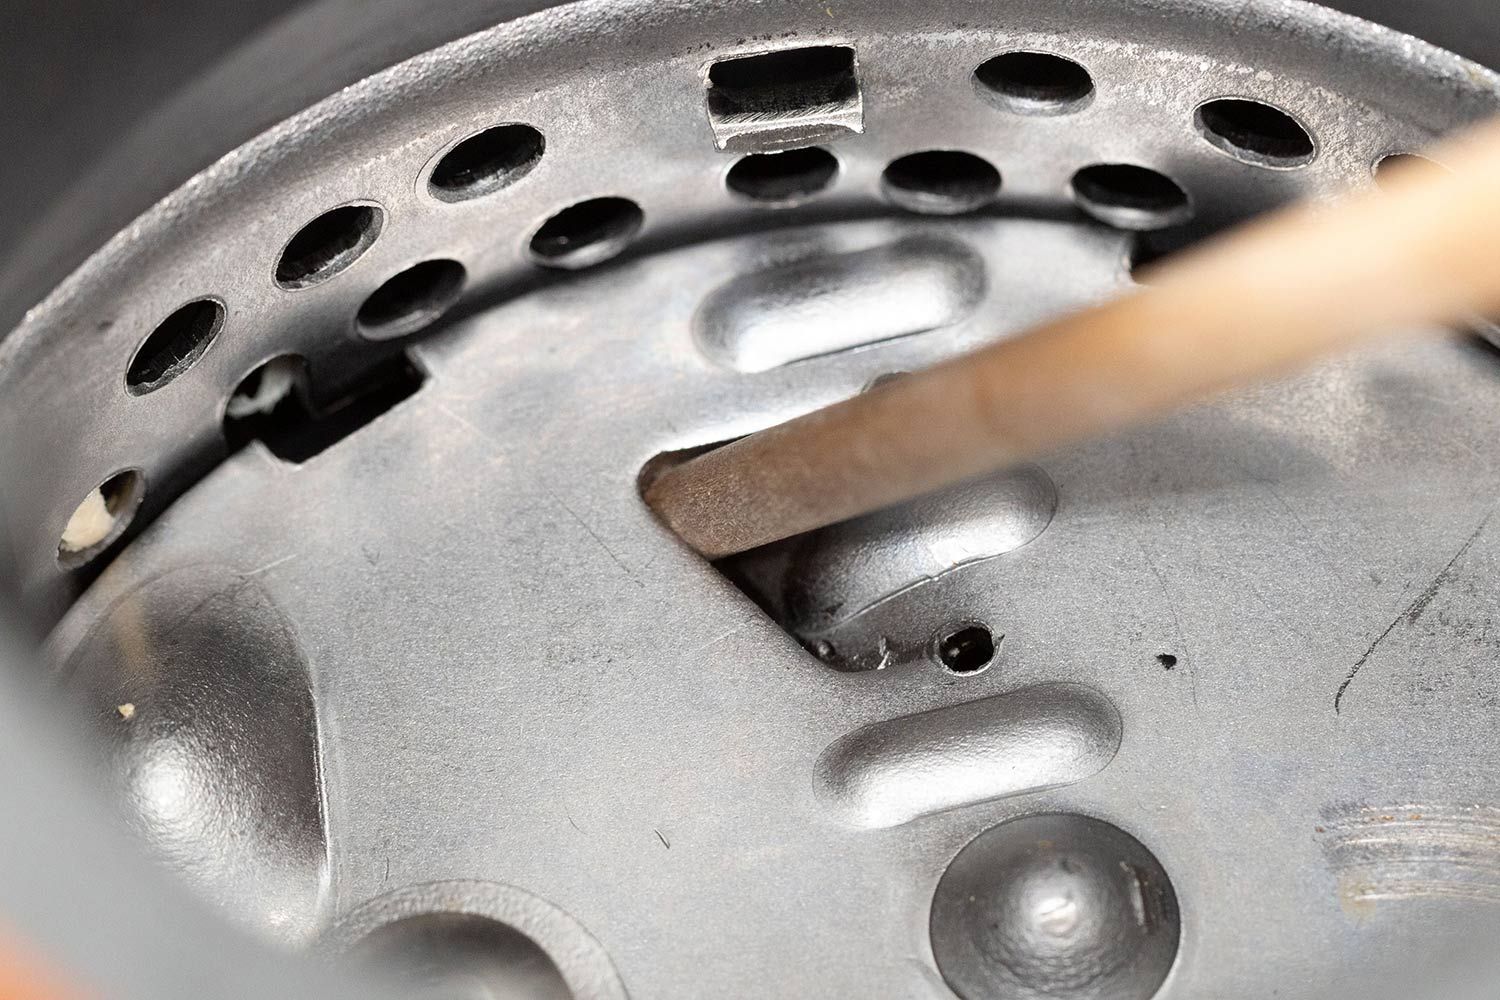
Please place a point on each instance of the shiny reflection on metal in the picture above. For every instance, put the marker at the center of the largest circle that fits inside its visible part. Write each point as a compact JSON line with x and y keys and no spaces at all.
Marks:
{"x":1412,"y":851}
{"x":892,"y":772}
{"x":215,"y":760}
{"x":79,"y":890}
{"x":445,"y":956}
{"x":476,"y":939}
{"x":835,"y":302}
{"x":1055,"y":907}
{"x":819,"y":585}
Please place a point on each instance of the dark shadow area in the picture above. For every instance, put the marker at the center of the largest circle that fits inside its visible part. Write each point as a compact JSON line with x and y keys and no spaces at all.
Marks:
{"x":274,"y":405}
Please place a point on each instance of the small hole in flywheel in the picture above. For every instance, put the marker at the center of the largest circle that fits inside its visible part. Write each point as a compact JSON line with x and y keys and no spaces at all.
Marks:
{"x":782,"y":178}
{"x":174,"y":346}
{"x":941,"y":182}
{"x":411,"y":299}
{"x":966,"y":649}
{"x":587,"y":233}
{"x":1035,"y":83}
{"x":327,"y":245}
{"x":1130,"y":197}
{"x":486,"y":162}
{"x":1167,"y":660}
{"x":101,"y":518}
{"x":1255,"y":132}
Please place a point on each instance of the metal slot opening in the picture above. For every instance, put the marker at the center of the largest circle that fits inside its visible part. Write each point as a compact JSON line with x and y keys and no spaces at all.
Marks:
{"x":273,"y":405}
{"x":783,"y":99}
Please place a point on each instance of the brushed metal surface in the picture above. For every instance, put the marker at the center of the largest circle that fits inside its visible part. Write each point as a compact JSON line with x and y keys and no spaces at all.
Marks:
{"x":514,"y":678}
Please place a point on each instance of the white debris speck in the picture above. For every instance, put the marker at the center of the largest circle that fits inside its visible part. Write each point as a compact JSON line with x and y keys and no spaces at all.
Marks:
{"x":90,"y":524}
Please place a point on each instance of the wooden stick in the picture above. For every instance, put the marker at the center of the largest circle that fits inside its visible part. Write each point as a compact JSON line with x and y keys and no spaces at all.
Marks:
{"x":1277,"y":294}
{"x":25,"y":976}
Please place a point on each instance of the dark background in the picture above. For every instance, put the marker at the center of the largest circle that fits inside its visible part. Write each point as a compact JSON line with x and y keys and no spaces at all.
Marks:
{"x":74,"y":73}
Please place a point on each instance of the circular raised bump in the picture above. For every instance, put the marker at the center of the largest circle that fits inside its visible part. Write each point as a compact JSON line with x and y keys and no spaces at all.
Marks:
{"x":1057,"y":906}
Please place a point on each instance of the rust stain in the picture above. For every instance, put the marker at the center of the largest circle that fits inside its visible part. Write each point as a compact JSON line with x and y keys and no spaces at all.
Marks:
{"x":1412,"y":851}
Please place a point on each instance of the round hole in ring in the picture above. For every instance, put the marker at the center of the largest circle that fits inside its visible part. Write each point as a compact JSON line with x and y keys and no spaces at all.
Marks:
{"x":1130,"y":197}
{"x":327,"y":245}
{"x":1390,"y":169}
{"x":1255,"y":132}
{"x":966,"y":648}
{"x":940,"y":182}
{"x":174,"y":346}
{"x":101,"y":518}
{"x":454,"y":954}
{"x":1035,"y":83}
{"x":782,"y":178}
{"x":486,"y":162}
{"x":410,"y":300}
{"x":587,"y":233}
{"x":1055,"y":905}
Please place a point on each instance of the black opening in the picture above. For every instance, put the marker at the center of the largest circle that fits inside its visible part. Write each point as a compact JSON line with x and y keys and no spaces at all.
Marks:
{"x":1255,"y":132}
{"x":966,"y":649}
{"x":487,"y":162}
{"x":327,"y":245}
{"x":943,"y":181}
{"x":782,"y":177}
{"x":1130,"y":197}
{"x":174,"y":346}
{"x":1123,"y":185}
{"x":1035,"y":82}
{"x":291,"y":427}
{"x":412,"y":299}
{"x":587,"y":233}
{"x":778,"y":84}
{"x":1167,"y":660}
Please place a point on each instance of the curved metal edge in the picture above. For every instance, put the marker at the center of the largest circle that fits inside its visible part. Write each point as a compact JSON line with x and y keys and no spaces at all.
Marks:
{"x":83,"y":897}
{"x":582,"y":960}
{"x":334,"y":44}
